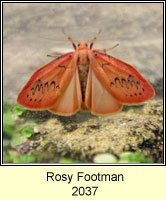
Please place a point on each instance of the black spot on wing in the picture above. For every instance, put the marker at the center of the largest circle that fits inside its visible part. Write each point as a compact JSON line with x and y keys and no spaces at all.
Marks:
{"x":41,"y":88}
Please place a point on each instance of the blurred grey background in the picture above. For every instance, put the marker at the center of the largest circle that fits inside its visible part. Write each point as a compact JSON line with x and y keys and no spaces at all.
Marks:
{"x":33,"y":30}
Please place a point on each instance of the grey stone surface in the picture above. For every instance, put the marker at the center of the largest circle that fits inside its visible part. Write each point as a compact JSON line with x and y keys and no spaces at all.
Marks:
{"x":137,"y":27}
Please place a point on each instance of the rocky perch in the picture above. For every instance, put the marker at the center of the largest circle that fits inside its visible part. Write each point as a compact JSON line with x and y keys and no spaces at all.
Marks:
{"x":82,"y":136}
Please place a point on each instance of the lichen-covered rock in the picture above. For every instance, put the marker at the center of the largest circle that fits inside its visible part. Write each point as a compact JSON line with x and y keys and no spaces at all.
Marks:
{"x":83,"y":135}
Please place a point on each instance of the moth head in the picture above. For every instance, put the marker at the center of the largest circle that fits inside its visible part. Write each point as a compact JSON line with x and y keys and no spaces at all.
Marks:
{"x":82,"y":45}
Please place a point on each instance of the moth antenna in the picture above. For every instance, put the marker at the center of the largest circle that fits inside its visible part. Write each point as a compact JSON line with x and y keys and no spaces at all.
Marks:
{"x":70,"y":39}
{"x":94,"y":39}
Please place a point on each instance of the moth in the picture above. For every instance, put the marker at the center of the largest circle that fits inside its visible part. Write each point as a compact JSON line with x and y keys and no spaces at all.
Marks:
{"x":85,"y":79}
